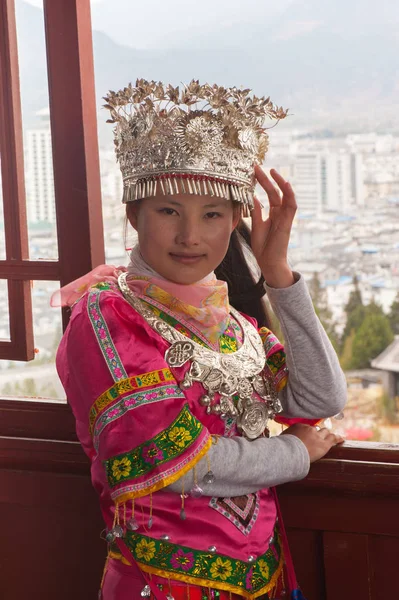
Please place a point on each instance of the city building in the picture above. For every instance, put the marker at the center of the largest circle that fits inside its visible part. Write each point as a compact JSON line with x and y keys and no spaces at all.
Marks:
{"x":39,"y":171}
{"x":328,"y":181}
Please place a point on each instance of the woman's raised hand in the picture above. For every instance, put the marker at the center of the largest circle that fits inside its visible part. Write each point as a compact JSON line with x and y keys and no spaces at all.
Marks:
{"x":270,"y":236}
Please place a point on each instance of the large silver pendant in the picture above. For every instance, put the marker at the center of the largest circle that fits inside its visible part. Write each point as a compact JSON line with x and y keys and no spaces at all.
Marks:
{"x":253,"y":420}
{"x":223,"y":376}
{"x":179,"y":353}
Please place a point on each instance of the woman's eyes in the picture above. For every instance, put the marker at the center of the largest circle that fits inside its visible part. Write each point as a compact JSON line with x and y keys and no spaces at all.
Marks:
{"x":213,"y":215}
{"x":168,"y":211}
{"x":171,"y":211}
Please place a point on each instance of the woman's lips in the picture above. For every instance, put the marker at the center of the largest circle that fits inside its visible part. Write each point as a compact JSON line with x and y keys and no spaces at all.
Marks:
{"x":187,"y":259}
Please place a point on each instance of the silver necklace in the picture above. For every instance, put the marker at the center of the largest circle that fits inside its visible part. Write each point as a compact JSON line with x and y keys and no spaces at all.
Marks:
{"x":235,"y":374}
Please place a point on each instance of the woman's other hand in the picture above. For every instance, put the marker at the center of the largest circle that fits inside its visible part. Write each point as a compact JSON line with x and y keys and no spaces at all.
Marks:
{"x":270,"y":237}
{"x":317,"y":441}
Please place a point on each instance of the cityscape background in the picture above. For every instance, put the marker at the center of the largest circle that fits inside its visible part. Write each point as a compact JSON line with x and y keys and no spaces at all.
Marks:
{"x":339,"y":149}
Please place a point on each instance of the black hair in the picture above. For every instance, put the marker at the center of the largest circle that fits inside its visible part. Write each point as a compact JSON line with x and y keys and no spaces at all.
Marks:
{"x":245,"y":295}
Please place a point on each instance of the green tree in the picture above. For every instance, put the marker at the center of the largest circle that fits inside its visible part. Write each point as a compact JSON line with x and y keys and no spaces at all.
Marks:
{"x":354,"y":311}
{"x":394,"y":315}
{"x":347,"y":351}
{"x":320,"y":303}
{"x":372,"y":337}
{"x":374,"y":309}
{"x":355,"y":297}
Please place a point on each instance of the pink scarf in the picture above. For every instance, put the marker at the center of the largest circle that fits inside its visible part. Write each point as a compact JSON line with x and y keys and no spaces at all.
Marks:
{"x":204,"y":305}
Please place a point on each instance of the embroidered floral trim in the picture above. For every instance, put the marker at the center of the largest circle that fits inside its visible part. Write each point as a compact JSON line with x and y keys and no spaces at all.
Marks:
{"x":161,"y":480}
{"x":245,"y":519}
{"x":249,"y":579}
{"x":281,"y":379}
{"x":230,"y":426}
{"x":275,"y":358}
{"x":130,"y":402}
{"x":128,"y":385}
{"x":103,"y":336}
{"x":269,"y":340}
{"x":103,"y":286}
{"x":235,"y":332}
{"x":228,"y":344}
{"x":169,"y":444}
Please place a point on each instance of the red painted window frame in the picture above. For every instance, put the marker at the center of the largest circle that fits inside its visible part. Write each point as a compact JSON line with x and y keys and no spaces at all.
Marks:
{"x":76,"y":183}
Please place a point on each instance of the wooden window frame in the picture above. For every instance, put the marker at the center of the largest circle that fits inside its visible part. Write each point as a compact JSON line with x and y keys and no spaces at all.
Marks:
{"x":79,"y":226}
{"x":76,"y":185}
{"x":75,"y":162}
{"x":20,"y":346}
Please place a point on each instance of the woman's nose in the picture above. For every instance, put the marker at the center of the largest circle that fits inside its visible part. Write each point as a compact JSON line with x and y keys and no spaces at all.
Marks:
{"x":188,"y":233}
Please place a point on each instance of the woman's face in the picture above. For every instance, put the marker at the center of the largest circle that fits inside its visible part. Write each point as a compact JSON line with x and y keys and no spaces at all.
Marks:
{"x":183,"y":237}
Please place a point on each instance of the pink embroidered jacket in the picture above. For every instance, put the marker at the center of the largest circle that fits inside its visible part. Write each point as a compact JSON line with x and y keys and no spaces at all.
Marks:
{"x":142,"y":432}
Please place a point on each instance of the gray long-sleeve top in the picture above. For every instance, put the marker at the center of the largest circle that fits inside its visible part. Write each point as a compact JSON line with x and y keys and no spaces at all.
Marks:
{"x":316,"y":389}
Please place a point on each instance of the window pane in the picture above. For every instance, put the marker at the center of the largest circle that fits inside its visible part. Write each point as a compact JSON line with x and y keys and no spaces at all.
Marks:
{"x":37,"y":378}
{"x":117,"y":235}
{"x":4,"y":313}
{"x":39,"y":180}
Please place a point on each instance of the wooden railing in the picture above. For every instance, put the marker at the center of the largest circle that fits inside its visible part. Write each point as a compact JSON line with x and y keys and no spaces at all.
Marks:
{"x":342,"y":520}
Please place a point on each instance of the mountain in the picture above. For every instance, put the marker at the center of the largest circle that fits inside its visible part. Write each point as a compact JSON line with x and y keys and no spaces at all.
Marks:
{"x":329,"y":62}
{"x":159,"y":24}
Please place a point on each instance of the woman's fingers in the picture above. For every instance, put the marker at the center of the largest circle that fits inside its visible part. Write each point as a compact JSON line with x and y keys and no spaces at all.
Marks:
{"x":270,"y":189}
{"x":287,"y":191}
{"x":260,"y":226}
{"x":281,"y":196}
{"x":256,"y":212}
{"x":330,"y":437}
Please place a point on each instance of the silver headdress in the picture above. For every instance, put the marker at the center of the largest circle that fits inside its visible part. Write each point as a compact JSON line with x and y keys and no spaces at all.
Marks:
{"x":201,"y":140}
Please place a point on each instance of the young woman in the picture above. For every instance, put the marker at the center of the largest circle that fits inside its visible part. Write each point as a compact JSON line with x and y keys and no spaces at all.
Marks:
{"x":171,"y":386}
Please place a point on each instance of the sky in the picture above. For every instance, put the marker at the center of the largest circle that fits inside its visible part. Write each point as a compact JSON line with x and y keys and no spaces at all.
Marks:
{"x":158,"y":23}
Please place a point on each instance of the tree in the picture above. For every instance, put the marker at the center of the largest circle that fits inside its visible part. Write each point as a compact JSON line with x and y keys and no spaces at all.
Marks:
{"x":320,"y":303}
{"x":355,"y":297}
{"x":354,"y":311}
{"x":374,"y":309}
{"x":346,"y":358}
{"x":394,"y":315}
{"x":315,"y":290}
{"x":372,"y":337}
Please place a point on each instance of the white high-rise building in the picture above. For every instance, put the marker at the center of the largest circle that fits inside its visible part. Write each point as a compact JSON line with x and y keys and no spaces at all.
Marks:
{"x":328,"y":181}
{"x":111,"y":177}
{"x":39,"y":172}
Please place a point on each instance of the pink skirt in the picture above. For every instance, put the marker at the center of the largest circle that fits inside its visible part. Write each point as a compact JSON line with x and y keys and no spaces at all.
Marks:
{"x":121,"y":582}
